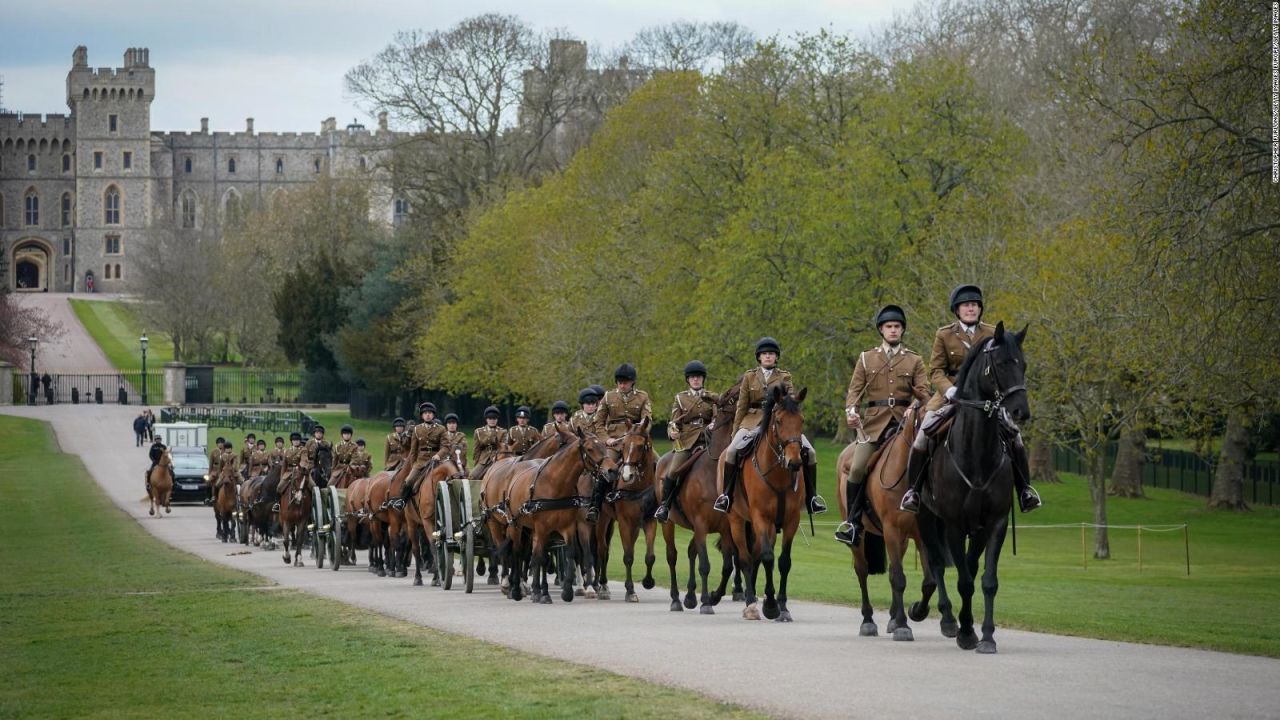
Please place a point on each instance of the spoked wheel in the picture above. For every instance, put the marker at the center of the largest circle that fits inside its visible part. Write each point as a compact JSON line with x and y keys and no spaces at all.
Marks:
{"x":335,"y":526}
{"x":444,"y":556}
{"x":317,"y":530}
{"x":469,"y":557}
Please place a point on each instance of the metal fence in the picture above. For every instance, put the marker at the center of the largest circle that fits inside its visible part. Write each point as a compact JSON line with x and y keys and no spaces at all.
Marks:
{"x":262,"y":387}
{"x":117,"y":387}
{"x":274,"y":421}
{"x":1184,"y":471}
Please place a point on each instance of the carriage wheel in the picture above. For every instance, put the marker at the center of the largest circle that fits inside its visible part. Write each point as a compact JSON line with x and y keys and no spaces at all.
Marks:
{"x":469,"y":557}
{"x":317,"y":535}
{"x":242,"y":522}
{"x":444,"y":557}
{"x":335,"y":532}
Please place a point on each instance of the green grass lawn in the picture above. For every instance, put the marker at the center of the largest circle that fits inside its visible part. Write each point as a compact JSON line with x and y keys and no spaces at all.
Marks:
{"x":99,"y":619}
{"x":116,"y":327}
{"x":1051,"y":585}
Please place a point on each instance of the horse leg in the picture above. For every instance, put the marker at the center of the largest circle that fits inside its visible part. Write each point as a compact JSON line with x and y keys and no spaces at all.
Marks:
{"x":727,"y":570}
{"x":650,"y":535}
{"x":570,"y":560}
{"x":604,"y":537}
{"x":415,"y":548}
{"x":747,"y":561}
{"x":538,"y":568}
{"x":784,"y":572}
{"x":285,"y":541}
{"x":628,"y":532}
{"x":691,"y":587}
{"x":767,"y":538}
{"x":935,"y":556}
{"x":896,"y":545}
{"x":990,"y":585}
{"x":586,"y":543}
{"x":669,"y":540}
{"x":868,"y":627}
{"x":967,"y":639}
{"x":919,"y":610}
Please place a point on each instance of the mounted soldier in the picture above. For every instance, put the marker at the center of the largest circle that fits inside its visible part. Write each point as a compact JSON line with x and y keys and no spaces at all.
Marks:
{"x":215,"y":467}
{"x":246,"y":454}
{"x":396,"y":447}
{"x":521,"y":436}
{"x":746,"y":424}
{"x":951,"y":345}
{"x":489,"y":439}
{"x":559,"y":415}
{"x":885,"y":381}
{"x":361,"y":460}
{"x":342,"y":453}
{"x":425,"y":450}
{"x":292,"y":460}
{"x":585,"y":418}
{"x":259,"y":460}
{"x":692,"y":420}
{"x":619,"y":409}
{"x":155,"y":453}
{"x":276,"y":455}
{"x":315,"y":447}
{"x":454,"y":439}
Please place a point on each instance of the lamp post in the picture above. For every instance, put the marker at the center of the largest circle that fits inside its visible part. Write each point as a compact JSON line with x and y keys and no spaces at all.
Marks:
{"x":35,"y":379}
{"x":143,"y":341}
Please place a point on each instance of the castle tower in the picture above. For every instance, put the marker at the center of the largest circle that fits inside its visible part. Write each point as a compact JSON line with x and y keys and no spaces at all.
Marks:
{"x":112,"y":108}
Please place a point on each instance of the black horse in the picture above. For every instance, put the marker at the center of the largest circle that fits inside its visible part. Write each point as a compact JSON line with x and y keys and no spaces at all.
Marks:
{"x":966,"y":506}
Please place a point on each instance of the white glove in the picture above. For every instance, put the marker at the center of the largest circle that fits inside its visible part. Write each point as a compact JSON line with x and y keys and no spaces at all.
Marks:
{"x":950,"y":394}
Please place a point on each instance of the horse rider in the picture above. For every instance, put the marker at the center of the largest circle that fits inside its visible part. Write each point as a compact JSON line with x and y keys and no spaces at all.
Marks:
{"x":361,"y":460}
{"x":156,"y":452}
{"x":885,"y":380}
{"x":215,"y":467}
{"x":620,"y":406}
{"x":692,"y":419}
{"x":428,"y":440}
{"x":522,"y":436}
{"x":585,"y":418}
{"x":951,"y":345}
{"x":454,"y":439}
{"x":311,"y":456}
{"x":559,"y":416}
{"x":292,"y":460}
{"x":488,"y":438}
{"x":342,"y":453}
{"x":259,"y":460}
{"x":396,"y":446}
{"x":276,"y":455}
{"x":746,"y":423}
{"x":226,"y":462}
{"x":246,"y":454}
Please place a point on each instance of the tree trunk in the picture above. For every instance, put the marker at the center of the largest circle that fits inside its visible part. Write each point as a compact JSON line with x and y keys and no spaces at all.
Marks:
{"x":1041,"y":460}
{"x":1098,"y":493}
{"x":1228,"y":481}
{"x":1126,"y":478}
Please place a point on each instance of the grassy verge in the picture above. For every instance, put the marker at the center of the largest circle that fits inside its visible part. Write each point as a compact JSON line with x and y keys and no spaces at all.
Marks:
{"x":116,"y":327}
{"x":98,"y":619}
{"x":1052,"y":585}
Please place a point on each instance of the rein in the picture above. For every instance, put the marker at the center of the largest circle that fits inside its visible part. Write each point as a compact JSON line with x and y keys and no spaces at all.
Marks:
{"x":570,"y":502}
{"x":990,"y":408}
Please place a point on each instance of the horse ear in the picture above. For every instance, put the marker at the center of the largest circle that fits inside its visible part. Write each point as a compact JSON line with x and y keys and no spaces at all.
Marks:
{"x":800,"y":395}
{"x":778,"y":392}
{"x":1022,"y":334}
{"x":644,"y":425}
{"x":578,"y":431}
{"x":999,"y":331}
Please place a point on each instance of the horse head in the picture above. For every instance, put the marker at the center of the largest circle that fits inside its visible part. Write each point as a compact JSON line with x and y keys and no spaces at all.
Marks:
{"x":999,"y":374}
{"x":595,"y":456}
{"x":728,"y":406}
{"x":785,"y":424}
{"x":460,"y":460}
{"x":635,"y":451}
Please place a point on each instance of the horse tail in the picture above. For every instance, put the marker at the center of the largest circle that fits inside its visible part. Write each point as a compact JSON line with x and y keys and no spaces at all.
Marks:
{"x":874,"y":550}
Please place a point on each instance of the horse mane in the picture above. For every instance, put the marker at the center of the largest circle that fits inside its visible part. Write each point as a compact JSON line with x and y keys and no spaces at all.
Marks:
{"x":969,"y":360}
{"x":789,"y":404}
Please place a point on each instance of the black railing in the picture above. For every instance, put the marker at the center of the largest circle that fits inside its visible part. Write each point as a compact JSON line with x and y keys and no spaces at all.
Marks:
{"x":253,"y":386}
{"x":121,"y":388}
{"x":1184,"y":471}
{"x":275,"y":421}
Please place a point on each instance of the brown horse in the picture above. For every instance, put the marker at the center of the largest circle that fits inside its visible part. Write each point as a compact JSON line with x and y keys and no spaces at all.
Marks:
{"x":886,"y":526}
{"x":770,"y":498}
{"x":420,"y":518}
{"x":691,"y":509}
{"x":545,"y":499}
{"x":226,"y":488}
{"x":385,"y":512}
{"x":495,"y":515}
{"x":295,"y":513}
{"x":630,"y":504}
{"x":160,"y":485}
{"x":354,"y":516}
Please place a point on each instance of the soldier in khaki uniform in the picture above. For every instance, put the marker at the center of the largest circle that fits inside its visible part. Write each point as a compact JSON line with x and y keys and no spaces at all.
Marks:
{"x":522,"y":436}
{"x":246,"y":454}
{"x":260,"y":460}
{"x":395,"y":448}
{"x":361,"y":460}
{"x":276,"y":455}
{"x":585,"y":418}
{"x":292,"y":459}
{"x":215,"y":467}
{"x":489,"y":439}
{"x":342,"y":453}
{"x":951,"y":345}
{"x":455,"y":441}
{"x":746,"y":423}
{"x":559,"y":416}
{"x":311,"y":454}
{"x":426,"y":448}
{"x":692,"y":416}
{"x":617,"y":407}
{"x":885,"y":381}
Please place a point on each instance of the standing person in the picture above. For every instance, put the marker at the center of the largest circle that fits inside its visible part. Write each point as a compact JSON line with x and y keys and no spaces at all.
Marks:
{"x":151,"y":424}
{"x":620,"y":406}
{"x":746,"y":423}
{"x":522,"y":436}
{"x":559,"y":415}
{"x":395,"y":448}
{"x":489,"y":439}
{"x":951,"y":345}
{"x":693,"y":415}
{"x":139,"y":429}
{"x":885,"y":380}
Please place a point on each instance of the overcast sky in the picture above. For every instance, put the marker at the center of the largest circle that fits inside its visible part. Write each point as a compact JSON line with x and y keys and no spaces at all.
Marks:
{"x":282,"y":61}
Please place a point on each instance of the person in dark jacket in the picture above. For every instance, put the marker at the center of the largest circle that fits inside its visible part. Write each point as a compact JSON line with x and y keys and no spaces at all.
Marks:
{"x":139,"y":429}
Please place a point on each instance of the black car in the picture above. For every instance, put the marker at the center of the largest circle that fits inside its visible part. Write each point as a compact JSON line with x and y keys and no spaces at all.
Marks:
{"x":190,"y":472}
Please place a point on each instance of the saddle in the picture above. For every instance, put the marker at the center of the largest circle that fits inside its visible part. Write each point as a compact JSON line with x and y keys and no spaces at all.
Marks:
{"x":749,"y":449}
{"x":678,"y":473}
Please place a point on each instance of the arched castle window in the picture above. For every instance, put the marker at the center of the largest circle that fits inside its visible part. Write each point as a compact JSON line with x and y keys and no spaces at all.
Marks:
{"x":31,"y":163}
{"x":231,"y":207}
{"x":401,"y":210}
{"x":364,"y":164}
{"x":231,"y":165}
{"x":118,"y":275}
{"x":140,"y":94}
{"x":186,"y":164}
{"x":66,"y":209}
{"x":31,"y":205}
{"x":188,"y":209}
{"x":111,"y":206}
{"x":279,"y":166}
{"x":106,"y":274}
{"x":66,"y":163}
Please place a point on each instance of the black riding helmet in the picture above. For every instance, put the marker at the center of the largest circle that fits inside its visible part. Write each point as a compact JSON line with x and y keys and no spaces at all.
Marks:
{"x":522,"y":411}
{"x":451,"y":417}
{"x":279,"y":439}
{"x":767,"y":344}
{"x":219,"y":442}
{"x":260,"y":443}
{"x":360,"y":442}
{"x":695,"y":367}
{"x":346,"y":429}
{"x":560,"y":406}
{"x":492,"y":411}
{"x":625,"y":371}
{"x":598,"y":390}
{"x":295,"y":435}
{"x":398,"y":422}
{"x":425,"y":407}
{"x":889,"y":313}
{"x":587,"y":395}
{"x":316,"y":427}
{"x":964,"y":294}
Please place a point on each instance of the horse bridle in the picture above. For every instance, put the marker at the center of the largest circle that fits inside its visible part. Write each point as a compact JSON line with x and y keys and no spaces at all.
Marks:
{"x":644,"y":453}
{"x":991,"y":406}
{"x":780,"y":450}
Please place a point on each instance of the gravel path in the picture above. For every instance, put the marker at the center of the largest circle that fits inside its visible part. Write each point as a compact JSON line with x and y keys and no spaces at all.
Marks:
{"x":75,"y":351}
{"x":814,"y":667}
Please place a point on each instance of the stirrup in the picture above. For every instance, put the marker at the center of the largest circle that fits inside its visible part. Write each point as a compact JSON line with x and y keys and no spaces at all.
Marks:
{"x":593,"y":514}
{"x":275,"y":508}
{"x":1029,"y":499}
{"x":661,"y":513}
{"x":910,"y":501}
{"x":817,"y":505}
{"x":847,"y":533}
{"x":721,"y":504}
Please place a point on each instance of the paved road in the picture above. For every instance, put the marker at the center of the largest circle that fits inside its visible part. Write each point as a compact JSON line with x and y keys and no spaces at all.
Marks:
{"x":814,"y":667}
{"x":73,"y":352}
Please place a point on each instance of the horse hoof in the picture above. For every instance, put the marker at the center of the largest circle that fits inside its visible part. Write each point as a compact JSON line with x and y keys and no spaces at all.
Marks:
{"x":168,"y":510}
{"x":632,"y":597}
{"x":435,"y":582}
{"x":676,"y":606}
{"x":545,"y":599}
{"x":402,"y":573}
{"x":738,"y":596}
{"x":647,"y":583}
{"x":987,"y":647}
{"x":967,"y":640}
{"x":751,"y":612}
{"x":524,"y":588}
{"x":286,"y":559}
{"x":918,"y":612}
{"x":603,"y":594}
{"x":579,"y":592}
{"x":382,"y":572}
{"x":706,"y":610}
{"x":299,"y":563}
{"x":783,"y":617}
{"x":417,"y":582}
{"x":903,"y":634}
{"x":565,"y":595}
{"x":771,"y":609}
{"x":949,"y":628}
{"x":893,"y":626}
{"x":716,"y":597}
{"x":690,"y":601}
{"x":493,"y":581}
{"x":152,"y":511}
{"x":868,"y":629}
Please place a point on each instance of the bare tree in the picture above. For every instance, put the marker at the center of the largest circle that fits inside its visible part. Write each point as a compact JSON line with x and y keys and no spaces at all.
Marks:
{"x":683,"y":45}
{"x":17,"y":323}
{"x":174,"y":272}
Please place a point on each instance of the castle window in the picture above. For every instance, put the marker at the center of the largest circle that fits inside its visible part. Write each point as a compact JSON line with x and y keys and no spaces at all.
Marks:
{"x":186,"y":164}
{"x":113,"y":123}
{"x":231,"y":208}
{"x":140,"y":94}
{"x":188,"y":210}
{"x":231,"y":165}
{"x":118,"y":273}
{"x":279,"y":166}
{"x":66,"y":209}
{"x":66,"y":246}
{"x":317,"y":161}
{"x":363,"y":163}
{"x":66,"y":163}
{"x":31,"y":163}
{"x":111,"y":206}
{"x":112,"y":245}
{"x":128,"y":160}
{"x":97,"y":160}
{"x":401,"y":210}
{"x":32,"y":206}
{"x":106,"y":272}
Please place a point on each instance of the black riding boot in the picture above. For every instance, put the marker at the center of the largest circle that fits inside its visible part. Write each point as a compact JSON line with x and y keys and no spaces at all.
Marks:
{"x":208,"y":500}
{"x":916,"y":464}
{"x":730,"y":479}
{"x":850,"y":531}
{"x":408,"y":489}
{"x":812,"y":499}
{"x":597,"y":499}
{"x":1028,"y":498}
{"x":669,"y":490}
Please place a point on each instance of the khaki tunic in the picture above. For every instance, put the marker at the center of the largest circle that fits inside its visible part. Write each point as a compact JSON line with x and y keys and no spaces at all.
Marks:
{"x":275,"y":456}
{"x":244,"y":457}
{"x":293,"y":457}
{"x":586,"y":422}
{"x":691,"y":412}
{"x":550,"y":428}
{"x":309,"y":456}
{"x":343,"y":451}
{"x":617,"y":408}
{"x":215,"y":463}
{"x":488,"y":441}
{"x":520,"y":439}
{"x":456,"y":440}
{"x":752,"y":393}
{"x":361,"y":461}
{"x":394,"y":449}
{"x":258,"y":463}
{"x":428,"y":438}
{"x":877,"y":378}
{"x":950,"y":347}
